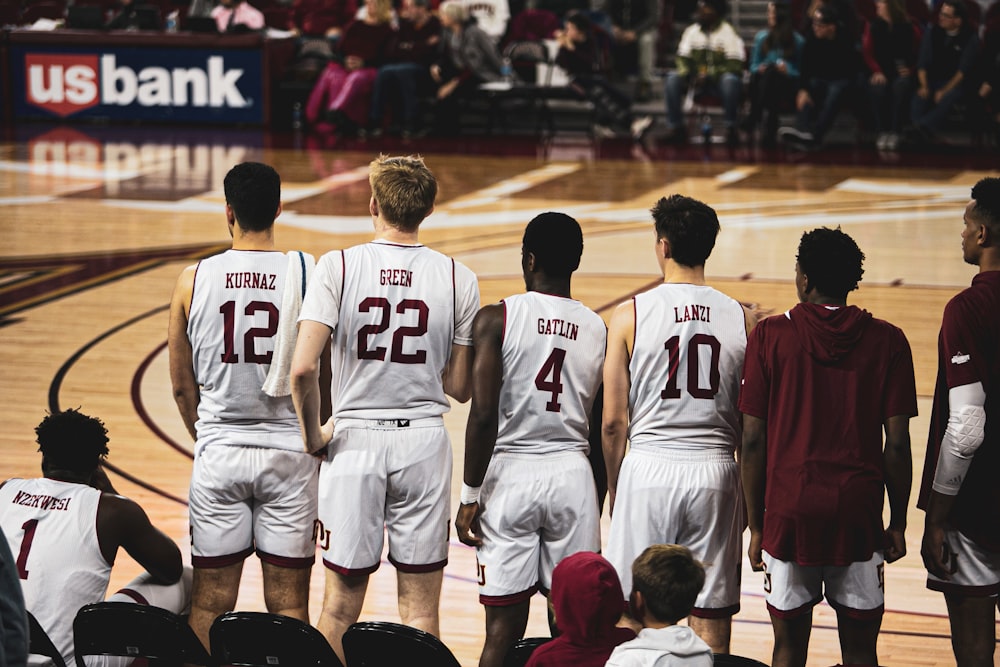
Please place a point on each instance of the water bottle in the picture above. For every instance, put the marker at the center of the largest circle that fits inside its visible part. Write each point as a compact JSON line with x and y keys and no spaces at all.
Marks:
{"x":507,"y":71}
{"x":172,"y":21}
{"x":297,"y":116}
{"x":706,"y":128}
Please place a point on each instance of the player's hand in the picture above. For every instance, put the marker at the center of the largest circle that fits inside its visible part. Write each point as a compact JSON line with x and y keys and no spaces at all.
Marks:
{"x":895,"y":544}
{"x":755,"y":552}
{"x":933,"y":550}
{"x":467,"y":525}
{"x":326,"y":431}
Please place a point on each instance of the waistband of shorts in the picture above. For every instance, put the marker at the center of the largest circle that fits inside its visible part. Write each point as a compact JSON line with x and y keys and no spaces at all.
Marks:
{"x":540,"y":458}
{"x":685,"y":455}
{"x":387,"y":424}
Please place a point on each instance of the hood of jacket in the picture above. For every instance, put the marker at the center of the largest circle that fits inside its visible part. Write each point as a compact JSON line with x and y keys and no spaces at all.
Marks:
{"x":662,"y":646}
{"x":587,"y":597}
{"x":828,"y":333}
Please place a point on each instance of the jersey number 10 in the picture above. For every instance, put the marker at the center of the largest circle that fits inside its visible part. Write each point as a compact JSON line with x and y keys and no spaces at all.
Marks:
{"x":673,"y":347}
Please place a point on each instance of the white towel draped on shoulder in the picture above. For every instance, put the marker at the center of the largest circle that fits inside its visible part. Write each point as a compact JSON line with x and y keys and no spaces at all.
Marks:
{"x":300,"y":268}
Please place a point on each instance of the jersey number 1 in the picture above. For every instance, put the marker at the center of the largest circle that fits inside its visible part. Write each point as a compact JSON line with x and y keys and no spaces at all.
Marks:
{"x":22,"y":556}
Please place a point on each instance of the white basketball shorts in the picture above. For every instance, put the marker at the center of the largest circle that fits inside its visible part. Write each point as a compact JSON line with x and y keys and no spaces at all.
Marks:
{"x":977,"y":571}
{"x":857,"y":590}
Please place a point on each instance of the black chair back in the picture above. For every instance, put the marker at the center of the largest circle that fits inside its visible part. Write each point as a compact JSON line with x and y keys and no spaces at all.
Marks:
{"x":258,"y":639}
{"x":522,"y":649}
{"x":40,"y":644}
{"x":727,"y":660}
{"x":384,"y":644}
{"x":136,"y":631}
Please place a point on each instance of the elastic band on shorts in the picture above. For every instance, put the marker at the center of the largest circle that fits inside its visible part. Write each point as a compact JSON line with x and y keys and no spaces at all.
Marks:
{"x":685,"y":455}
{"x":220,"y":561}
{"x":716,"y":612}
{"x":388,"y":424}
{"x":349,"y":572}
{"x":135,"y":595}
{"x":286,"y":561}
{"x":418,"y":569}
{"x":507,"y":600}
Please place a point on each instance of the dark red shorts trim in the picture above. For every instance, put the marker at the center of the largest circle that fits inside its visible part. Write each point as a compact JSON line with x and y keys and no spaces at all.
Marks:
{"x":543,"y":590}
{"x":348,"y":572}
{"x":286,"y":561}
{"x":859,"y":614}
{"x":220,"y":561}
{"x":949,"y":588}
{"x":418,"y":569}
{"x":794,"y":613}
{"x":139,"y":599}
{"x":507,"y":600}
{"x":720,"y":612}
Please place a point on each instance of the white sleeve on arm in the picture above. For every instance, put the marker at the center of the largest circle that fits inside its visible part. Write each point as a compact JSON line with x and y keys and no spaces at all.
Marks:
{"x":962,"y":437}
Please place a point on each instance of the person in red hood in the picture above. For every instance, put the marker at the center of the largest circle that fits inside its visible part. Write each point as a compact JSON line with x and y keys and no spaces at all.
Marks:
{"x":820,"y":384}
{"x":587,"y":598}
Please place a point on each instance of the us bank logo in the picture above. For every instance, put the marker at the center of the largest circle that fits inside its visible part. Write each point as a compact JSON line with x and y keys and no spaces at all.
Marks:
{"x":69,"y":83}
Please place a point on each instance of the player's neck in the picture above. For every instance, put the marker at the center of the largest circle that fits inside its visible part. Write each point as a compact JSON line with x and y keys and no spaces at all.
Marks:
{"x":678,"y":273}
{"x":253,"y":240}
{"x":989,"y":262}
{"x":553,"y":286}
{"x":386,"y":232}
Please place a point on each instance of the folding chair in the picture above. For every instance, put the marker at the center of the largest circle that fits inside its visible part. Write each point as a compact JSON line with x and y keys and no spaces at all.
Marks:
{"x":727,"y":660}
{"x":40,"y":644}
{"x":137,"y":631}
{"x":521,"y":650}
{"x":383,"y":644}
{"x":258,"y":639}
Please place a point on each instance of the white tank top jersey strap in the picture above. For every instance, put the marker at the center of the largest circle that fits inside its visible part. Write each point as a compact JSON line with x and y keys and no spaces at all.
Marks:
{"x":686,"y":362}
{"x":553,"y":357}
{"x":51,"y":527}
{"x":395,"y":311}
{"x":233,"y":321}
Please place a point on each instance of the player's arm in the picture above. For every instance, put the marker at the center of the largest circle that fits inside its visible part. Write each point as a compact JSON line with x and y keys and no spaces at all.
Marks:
{"x":753,"y":467}
{"x":309,"y":345}
{"x":596,"y":455}
{"x":898,"y":464}
{"x":185,"y":385}
{"x":481,"y":429}
{"x":121,"y":522}
{"x":962,"y":437}
{"x":617,"y":382}
{"x":457,"y":376}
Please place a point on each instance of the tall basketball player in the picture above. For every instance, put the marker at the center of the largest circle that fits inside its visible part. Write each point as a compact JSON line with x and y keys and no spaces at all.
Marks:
{"x":400,"y":316}
{"x":253,"y":488}
{"x":65,"y":529}
{"x":536,"y":376}
{"x":671,"y":381}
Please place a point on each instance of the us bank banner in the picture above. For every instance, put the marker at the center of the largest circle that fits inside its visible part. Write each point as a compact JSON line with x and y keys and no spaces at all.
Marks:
{"x":130,"y":83}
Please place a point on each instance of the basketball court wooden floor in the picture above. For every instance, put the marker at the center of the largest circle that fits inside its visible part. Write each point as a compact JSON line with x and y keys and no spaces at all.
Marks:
{"x":97,"y":226}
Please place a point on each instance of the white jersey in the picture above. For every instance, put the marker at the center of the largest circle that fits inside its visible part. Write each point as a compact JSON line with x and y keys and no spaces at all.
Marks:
{"x":686,"y":363}
{"x":233,"y":321}
{"x":395,"y":311}
{"x":51,"y":527}
{"x":553,"y":356}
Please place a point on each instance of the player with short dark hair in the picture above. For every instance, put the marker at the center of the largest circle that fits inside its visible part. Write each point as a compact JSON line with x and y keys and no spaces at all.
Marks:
{"x":536,"y":376}
{"x":66,"y":527}
{"x":961,"y":543}
{"x":820,"y":384}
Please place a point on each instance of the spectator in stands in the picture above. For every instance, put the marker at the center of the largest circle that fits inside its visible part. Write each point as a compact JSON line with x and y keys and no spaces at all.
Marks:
{"x":342,"y":94}
{"x":469,"y":58}
{"x":406,"y":75}
{"x":125,"y":17}
{"x":710,"y":57}
{"x":666,"y":581}
{"x":774,"y":71}
{"x":492,"y":16}
{"x":234,"y":16}
{"x":633,"y":26}
{"x":831,"y":65}
{"x":587,"y":599}
{"x":583,"y":61}
{"x":845,"y":9}
{"x":321,"y":18}
{"x":890,"y":46}
{"x":944,"y":67}
{"x":988,"y":97}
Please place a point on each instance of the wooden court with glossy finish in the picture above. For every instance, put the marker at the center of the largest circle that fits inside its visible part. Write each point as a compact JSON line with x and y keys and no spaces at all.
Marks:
{"x":97,"y":225}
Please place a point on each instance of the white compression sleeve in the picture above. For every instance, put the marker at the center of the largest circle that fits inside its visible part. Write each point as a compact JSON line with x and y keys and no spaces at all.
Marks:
{"x":962,"y":437}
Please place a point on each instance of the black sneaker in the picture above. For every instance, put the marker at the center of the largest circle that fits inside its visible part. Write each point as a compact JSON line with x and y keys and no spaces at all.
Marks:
{"x":797,"y":137}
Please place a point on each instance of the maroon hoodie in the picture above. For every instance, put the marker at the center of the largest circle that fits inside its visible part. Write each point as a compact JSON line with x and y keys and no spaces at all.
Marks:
{"x":588,"y":601}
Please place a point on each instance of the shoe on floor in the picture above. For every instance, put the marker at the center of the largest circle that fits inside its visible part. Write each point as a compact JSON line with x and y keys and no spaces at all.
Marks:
{"x":640,"y":126}
{"x":793,"y":135}
{"x":603,"y":132}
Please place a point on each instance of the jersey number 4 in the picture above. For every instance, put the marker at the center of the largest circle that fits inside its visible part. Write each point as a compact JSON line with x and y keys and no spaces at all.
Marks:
{"x":694,"y":356}
{"x":549,"y":378}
